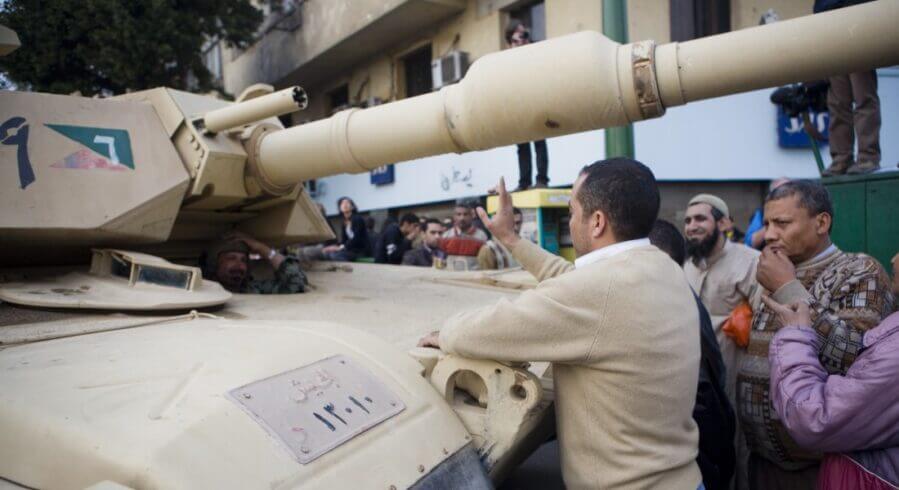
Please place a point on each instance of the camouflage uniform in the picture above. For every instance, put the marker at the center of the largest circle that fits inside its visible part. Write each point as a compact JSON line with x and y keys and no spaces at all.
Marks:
{"x":289,"y":279}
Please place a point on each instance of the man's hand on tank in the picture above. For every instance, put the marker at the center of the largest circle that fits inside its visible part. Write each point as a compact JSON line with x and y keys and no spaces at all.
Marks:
{"x":430,"y":340}
{"x":502,"y":224}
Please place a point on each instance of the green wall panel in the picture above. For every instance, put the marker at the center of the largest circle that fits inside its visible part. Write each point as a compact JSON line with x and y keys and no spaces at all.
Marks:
{"x":883,"y":219}
{"x":849,"y":230}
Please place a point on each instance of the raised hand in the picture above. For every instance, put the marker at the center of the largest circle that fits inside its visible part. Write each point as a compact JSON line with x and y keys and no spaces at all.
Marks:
{"x":502,"y":225}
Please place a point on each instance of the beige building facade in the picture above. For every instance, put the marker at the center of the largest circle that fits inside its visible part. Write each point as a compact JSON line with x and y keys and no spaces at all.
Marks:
{"x":357,"y":52}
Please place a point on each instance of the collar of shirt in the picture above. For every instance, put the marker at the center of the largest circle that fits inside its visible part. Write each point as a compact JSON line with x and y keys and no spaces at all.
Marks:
{"x":827,"y":251}
{"x":609,"y":251}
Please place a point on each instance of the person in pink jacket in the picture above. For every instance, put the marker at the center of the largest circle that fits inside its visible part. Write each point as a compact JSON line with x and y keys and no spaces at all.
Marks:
{"x":852,"y":418}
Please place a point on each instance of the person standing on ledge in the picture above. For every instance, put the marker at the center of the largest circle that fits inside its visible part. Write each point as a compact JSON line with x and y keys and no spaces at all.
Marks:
{"x":517,"y":34}
{"x":854,"y":109}
{"x":619,"y":326}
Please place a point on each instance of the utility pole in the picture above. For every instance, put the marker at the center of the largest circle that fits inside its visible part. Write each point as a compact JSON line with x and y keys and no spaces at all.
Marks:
{"x":619,"y":140}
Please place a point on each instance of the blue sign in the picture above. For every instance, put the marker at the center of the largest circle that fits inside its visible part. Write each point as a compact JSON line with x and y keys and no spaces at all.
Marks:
{"x":382,"y":175}
{"x":791,"y":133}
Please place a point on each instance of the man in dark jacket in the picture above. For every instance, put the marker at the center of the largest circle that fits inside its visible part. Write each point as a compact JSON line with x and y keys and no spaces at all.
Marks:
{"x":396,"y":239}
{"x":713,"y":413}
{"x":425,"y":254}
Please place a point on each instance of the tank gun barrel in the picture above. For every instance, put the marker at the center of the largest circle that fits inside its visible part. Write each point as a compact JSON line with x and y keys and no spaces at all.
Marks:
{"x":242,"y":113}
{"x":581,"y":82}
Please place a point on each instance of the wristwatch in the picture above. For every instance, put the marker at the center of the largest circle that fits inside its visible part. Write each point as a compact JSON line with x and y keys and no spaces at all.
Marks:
{"x":271,"y":253}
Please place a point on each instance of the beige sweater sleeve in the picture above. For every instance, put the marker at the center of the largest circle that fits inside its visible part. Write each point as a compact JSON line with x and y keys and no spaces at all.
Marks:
{"x":549,"y":323}
{"x":540,"y":263}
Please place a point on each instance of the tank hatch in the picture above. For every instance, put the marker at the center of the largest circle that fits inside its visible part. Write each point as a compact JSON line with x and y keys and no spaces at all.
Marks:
{"x":119,"y":280}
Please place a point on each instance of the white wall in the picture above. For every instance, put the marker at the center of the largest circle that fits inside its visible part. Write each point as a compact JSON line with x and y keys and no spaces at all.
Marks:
{"x":729,"y":138}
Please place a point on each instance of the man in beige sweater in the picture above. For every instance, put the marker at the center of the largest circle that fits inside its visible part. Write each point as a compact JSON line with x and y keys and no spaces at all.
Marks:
{"x":619,"y":327}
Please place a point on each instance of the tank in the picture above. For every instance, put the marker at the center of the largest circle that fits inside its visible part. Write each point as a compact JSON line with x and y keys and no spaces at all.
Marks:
{"x":123,"y":367}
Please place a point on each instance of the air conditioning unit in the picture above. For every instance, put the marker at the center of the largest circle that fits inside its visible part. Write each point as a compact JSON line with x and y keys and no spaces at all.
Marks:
{"x":449,"y":69}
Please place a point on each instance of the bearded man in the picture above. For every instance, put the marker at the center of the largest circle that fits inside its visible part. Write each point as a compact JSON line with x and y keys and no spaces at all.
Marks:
{"x":722,"y":273}
{"x":848,"y":294}
{"x":228,"y":262}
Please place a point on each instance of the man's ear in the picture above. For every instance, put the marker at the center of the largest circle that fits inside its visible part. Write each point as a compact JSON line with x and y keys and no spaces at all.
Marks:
{"x":598,"y":224}
{"x":721,"y":224}
{"x":823,"y":223}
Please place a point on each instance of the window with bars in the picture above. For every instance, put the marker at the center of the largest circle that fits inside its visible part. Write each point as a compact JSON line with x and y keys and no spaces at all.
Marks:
{"x":692,"y":19}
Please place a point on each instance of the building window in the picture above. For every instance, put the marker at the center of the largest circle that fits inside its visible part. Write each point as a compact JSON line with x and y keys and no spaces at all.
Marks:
{"x":691,"y":19}
{"x":417,"y":72}
{"x":533,"y":16}
{"x":339,"y":98}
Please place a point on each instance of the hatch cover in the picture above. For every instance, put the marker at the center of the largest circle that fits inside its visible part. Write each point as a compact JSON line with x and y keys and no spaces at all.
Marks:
{"x":313,"y":409}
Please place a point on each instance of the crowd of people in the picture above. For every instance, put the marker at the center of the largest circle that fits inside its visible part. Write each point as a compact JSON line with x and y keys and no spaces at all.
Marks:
{"x":744,"y":368}
{"x":681,"y":359}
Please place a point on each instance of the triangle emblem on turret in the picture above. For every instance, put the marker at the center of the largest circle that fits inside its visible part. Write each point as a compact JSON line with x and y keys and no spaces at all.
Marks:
{"x":113,"y":145}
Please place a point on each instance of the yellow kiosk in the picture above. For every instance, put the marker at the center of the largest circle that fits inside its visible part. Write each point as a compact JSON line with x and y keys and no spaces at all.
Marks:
{"x":545,"y":213}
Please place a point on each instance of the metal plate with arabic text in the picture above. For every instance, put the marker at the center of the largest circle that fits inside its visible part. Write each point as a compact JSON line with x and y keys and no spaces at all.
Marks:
{"x":313,"y":409}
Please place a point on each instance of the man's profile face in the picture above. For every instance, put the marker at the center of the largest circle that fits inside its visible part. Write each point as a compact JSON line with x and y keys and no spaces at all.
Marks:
{"x":517,"y":222}
{"x":463,"y":217}
{"x":577,"y":222}
{"x":232,"y":270}
{"x":792,"y":229}
{"x":701,"y":229}
{"x":433,"y":234}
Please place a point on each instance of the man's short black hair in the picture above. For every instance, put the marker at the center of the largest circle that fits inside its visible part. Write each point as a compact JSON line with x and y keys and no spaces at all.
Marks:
{"x":430,"y":221}
{"x":516,"y":212}
{"x":511,"y":27}
{"x":812,"y":196}
{"x":409,"y":218}
{"x":626,"y":191}
{"x":668,"y":239}
{"x":467,"y":203}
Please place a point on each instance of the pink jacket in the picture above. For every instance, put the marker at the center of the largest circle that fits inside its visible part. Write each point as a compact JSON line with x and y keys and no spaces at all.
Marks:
{"x":857,"y":414}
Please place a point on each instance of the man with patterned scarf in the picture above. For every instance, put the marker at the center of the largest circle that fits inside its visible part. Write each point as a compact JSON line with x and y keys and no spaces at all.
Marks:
{"x":848,"y":294}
